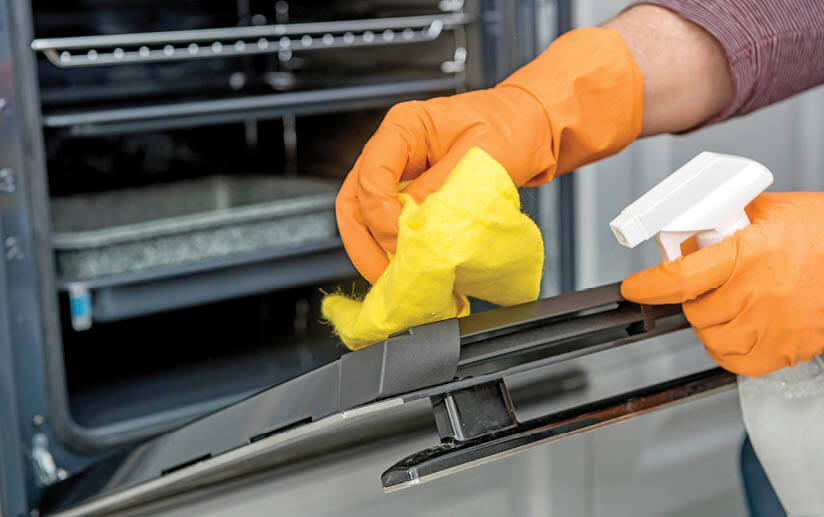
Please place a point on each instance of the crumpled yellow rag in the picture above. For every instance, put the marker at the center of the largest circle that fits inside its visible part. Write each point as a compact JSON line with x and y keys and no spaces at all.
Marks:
{"x":467,"y":239}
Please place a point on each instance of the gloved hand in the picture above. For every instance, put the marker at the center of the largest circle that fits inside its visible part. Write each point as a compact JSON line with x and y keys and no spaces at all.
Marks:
{"x":579,"y":101}
{"x":756,"y":299}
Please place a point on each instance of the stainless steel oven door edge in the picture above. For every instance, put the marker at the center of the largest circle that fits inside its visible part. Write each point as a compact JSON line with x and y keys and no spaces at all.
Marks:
{"x":267,"y":426}
{"x":298,"y":442}
{"x":446,"y":364}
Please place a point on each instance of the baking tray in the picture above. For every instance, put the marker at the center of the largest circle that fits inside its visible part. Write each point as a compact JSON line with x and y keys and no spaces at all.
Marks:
{"x":110,"y":233}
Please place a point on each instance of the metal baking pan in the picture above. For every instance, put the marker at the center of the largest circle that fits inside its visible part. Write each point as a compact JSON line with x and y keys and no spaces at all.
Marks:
{"x":110,"y":233}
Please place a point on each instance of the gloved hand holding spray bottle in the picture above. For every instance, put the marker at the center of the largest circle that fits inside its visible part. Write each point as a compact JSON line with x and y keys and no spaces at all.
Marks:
{"x":783,"y":408}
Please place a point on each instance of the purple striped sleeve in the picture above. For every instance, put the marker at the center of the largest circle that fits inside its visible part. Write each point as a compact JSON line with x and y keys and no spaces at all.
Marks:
{"x":775,"y":47}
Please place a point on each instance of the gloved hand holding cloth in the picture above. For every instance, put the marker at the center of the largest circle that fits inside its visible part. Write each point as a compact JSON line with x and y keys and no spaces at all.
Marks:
{"x":579,"y":101}
{"x":467,"y":239}
{"x":456,"y":230}
{"x":756,"y":299}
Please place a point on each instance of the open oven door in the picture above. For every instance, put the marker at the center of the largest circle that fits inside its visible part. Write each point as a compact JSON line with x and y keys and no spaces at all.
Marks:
{"x":461,"y":371}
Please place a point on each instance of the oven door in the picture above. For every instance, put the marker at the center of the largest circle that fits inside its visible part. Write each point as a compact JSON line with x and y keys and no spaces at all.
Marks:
{"x":454,"y":417}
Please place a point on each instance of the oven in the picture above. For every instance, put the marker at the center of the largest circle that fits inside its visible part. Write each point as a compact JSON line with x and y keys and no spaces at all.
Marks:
{"x":167,"y":181}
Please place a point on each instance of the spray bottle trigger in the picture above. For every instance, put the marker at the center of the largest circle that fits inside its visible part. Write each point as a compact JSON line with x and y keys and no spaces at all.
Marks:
{"x":708,"y":238}
{"x":669,"y":243}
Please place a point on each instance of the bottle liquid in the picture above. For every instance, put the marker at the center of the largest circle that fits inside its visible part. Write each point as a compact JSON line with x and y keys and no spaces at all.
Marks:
{"x":784,"y":415}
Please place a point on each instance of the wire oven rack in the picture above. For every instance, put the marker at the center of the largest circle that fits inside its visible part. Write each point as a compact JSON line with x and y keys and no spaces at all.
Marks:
{"x":281,"y":39}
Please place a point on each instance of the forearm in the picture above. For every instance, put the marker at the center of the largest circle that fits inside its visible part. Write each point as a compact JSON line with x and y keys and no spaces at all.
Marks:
{"x":687,"y":78}
{"x":708,"y":61}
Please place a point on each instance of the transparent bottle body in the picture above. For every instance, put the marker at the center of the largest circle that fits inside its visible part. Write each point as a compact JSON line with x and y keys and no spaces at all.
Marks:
{"x":784,"y":415}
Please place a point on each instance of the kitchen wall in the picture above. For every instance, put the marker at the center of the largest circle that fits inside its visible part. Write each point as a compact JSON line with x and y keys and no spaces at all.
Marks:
{"x":786,"y":137}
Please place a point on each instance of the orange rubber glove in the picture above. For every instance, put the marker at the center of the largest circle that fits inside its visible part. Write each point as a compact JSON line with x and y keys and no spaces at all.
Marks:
{"x":755,"y":299}
{"x":579,"y":101}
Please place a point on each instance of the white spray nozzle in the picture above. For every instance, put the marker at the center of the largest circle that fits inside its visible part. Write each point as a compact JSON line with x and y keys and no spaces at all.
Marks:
{"x":704,"y":198}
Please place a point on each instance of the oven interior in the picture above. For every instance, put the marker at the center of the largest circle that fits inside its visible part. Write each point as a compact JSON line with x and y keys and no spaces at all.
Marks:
{"x":193,"y":151}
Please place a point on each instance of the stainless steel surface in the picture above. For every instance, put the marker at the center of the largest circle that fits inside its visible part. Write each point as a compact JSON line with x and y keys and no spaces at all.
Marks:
{"x":426,"y":356}
{"x":323,"y":439}
{"x":424,"y":360}
{"x":300,"y":442}
{"x":451,"y":457}
{"x":131,"y":230}
{"x":690,"y":449}
{"x":290,"y":447}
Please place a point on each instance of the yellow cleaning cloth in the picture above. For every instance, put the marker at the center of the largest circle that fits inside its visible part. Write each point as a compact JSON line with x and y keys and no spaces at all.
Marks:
{"x":467,"y":239}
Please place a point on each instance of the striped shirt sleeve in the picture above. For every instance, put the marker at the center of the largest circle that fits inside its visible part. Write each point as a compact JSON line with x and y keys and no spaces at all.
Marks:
{"x":775,"y":48}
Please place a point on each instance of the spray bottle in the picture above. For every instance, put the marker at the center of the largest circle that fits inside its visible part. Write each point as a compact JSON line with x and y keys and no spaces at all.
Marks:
{"x":783,"y":411}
